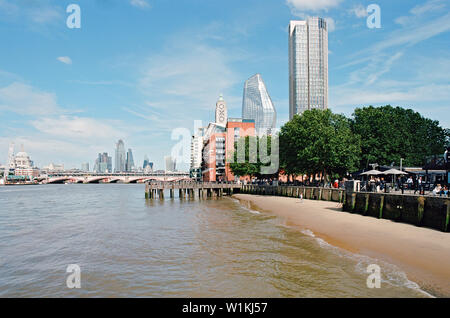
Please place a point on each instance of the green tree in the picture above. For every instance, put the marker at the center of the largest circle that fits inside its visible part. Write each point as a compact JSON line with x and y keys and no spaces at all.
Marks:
{"x":318,"y":141}
{"x":250,"y":155}
{"x":390,"y":133}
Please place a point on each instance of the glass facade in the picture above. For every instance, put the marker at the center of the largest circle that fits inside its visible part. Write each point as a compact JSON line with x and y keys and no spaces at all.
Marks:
{"x":257,"y":105}
{"x":308,"y":65}
{"x":120,"y":163}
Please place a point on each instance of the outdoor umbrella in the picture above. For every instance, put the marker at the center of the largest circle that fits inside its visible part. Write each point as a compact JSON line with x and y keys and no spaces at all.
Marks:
{"x":371,"y":173}
{"x":394,"y":172}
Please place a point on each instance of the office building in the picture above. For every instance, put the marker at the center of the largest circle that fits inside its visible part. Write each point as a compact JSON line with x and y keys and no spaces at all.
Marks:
{"x":170,"y":164}
{"x":218,"y":144}
{"x":129,"y":166}
{"x":308,"y":65}
{"x":258,"y":106}
{"x":120,"y":163}
{"x":236,"y":128}
{"x":195,"y":170}
{"x":103,"y":163}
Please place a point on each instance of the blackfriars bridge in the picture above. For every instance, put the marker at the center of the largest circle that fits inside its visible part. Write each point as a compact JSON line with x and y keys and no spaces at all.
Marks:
{"x":85,"y":177}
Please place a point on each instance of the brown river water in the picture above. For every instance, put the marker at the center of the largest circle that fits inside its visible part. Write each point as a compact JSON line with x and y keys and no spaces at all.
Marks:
{"x":127,"y":246}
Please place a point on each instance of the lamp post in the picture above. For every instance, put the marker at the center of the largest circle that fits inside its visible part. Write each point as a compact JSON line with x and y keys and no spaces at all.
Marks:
{"x":401,"y":164}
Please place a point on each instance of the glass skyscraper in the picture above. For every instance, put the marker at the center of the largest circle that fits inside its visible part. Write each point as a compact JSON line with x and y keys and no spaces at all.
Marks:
{"x":120,"y":164}
{"x":308,"y":65}
{"x":130,"y":161}
{"x":257,"y":105}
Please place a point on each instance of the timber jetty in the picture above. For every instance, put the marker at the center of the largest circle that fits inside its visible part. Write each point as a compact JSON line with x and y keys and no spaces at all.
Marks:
{"x":190,"y":189}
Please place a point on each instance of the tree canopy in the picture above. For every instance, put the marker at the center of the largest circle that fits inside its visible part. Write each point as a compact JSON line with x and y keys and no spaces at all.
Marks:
{"x":251,"y":154}
{"x":318,"y":141}
{"x":390,"y":133}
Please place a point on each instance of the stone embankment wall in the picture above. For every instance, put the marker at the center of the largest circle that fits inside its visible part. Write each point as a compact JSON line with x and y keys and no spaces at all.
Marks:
{"x":428,"y":211}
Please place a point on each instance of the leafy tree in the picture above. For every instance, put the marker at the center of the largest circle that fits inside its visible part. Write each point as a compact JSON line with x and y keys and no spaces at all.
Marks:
{"x":390,"y":133}
{"x":318,"y":141}
{"x":250,"y":155}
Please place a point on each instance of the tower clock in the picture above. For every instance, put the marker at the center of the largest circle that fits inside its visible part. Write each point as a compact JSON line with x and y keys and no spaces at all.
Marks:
{"x":221,"y":112}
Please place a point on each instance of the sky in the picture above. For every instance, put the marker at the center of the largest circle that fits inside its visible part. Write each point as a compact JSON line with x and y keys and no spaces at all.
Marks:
{"x":138,"y":69}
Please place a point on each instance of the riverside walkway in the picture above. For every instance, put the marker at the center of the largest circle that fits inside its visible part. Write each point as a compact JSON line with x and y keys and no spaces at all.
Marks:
{"x":189,"y":189}
{"x":419,"y":210}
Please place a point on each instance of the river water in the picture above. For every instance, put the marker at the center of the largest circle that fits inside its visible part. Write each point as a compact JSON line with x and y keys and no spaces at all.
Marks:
{"x":127,"y":246}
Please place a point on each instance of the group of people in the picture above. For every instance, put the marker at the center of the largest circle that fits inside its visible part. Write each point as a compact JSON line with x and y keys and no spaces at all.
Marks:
{"x":416,"y":184}
{"x":377,"y":184}
{"x":440,"y":190}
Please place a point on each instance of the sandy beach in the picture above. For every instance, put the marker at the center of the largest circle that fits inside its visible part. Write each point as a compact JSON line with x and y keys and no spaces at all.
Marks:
{"x":422,"y":253}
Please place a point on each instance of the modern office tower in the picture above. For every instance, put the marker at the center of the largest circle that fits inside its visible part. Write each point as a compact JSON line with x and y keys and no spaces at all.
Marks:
{"x":120,"y":164}
{"x":85,"y":167}
{"x":147,"y":166}
{"x":257,"y":105}
{"x":103,"y":163}
{"x":170,"y":164}
{"x":308,"y":65}
{"x":130,"y":161}
{"x":146,"y":162}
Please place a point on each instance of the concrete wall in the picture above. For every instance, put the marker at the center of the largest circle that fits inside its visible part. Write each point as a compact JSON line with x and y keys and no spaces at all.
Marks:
{"x":432,"y":212}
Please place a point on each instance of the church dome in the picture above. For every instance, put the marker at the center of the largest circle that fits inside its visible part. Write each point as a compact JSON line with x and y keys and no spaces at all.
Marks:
{"x":22,"y":154}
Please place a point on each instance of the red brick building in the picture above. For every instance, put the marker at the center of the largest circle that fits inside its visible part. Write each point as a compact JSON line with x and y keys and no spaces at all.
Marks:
{"x":218,"y":143}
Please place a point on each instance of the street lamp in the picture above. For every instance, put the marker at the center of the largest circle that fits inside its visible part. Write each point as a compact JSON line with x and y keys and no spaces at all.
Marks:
{"x":401,"y":164}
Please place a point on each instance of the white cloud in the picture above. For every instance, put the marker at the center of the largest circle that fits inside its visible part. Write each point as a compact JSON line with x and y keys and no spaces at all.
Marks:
{"x":377,"y":65}
{"x":376,"y":95}
{"x":65,"y":59}
{"x":359,"y":11}
{"x":76,"y":127}
{"x":140,"y":3}
{"x":416,"y":34}
{"x":311,"y":5}
{"x":188,"y":76}
{"x":26,"y":100}
{"x":45,"y":15}
{"x":331,"y":24}
{"x":429,"y":6}
{"x":37,"y":12}
{"x":419,"y":11}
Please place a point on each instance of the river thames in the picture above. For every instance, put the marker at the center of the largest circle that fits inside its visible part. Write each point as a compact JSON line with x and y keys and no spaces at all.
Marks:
{"x":127,"y":246}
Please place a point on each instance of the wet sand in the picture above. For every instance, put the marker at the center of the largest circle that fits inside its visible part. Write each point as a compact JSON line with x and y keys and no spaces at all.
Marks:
{"x":422,"y":253}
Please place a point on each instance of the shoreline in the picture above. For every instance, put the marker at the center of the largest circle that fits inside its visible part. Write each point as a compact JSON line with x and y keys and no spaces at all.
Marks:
{"x":422,"y":253}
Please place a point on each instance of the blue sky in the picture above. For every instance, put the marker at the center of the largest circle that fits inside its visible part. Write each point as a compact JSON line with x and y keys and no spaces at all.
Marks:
{"x":137,"y":69}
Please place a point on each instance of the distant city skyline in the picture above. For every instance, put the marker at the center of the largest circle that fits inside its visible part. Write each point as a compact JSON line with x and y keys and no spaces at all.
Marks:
{"x":68,"y":94}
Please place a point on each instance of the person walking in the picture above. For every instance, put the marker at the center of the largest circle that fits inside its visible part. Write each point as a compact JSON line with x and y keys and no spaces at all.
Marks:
{"x":419,"y":186}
